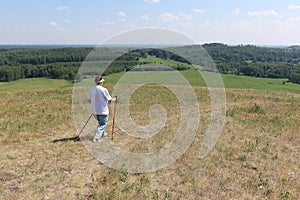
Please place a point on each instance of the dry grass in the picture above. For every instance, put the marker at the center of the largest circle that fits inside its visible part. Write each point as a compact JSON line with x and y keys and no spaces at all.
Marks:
{"x":256,"y":157}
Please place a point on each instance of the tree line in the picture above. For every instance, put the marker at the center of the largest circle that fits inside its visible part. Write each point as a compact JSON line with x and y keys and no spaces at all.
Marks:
{"x":250,"y":60}
{"x":58,"y":63}
{"x":64,"y":63}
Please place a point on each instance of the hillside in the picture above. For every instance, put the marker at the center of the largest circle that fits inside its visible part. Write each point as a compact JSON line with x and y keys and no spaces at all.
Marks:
{"x":64,"y":62}
{"x":256,"y":157}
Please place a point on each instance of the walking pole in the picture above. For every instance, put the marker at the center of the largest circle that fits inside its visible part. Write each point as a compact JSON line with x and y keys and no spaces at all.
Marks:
{"x":114,"y":115}
{"x":84,"y":125}
{"x":76,"y":138}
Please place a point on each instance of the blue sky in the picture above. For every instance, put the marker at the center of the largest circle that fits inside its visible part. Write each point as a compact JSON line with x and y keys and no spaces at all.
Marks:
{"x":260,"y":22}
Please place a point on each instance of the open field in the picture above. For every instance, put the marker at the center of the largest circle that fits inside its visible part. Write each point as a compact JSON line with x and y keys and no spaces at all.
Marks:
{"x":256,"y":157}
{"x":232,"y":81}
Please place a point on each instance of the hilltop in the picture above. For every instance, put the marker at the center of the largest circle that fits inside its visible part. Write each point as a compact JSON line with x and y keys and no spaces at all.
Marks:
{"x":255,"y":157}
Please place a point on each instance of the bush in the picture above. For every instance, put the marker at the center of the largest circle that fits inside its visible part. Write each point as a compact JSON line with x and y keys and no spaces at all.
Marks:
{"x":295,"y":77}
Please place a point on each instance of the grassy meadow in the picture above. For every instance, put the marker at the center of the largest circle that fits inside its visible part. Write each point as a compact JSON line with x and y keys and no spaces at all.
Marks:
{"x":256,"y":156}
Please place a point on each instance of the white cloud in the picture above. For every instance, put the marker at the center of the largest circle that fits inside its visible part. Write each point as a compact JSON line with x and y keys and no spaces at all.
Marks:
{"x":209,"y":25}
{"x":185,"y":24}
{"x":53,"y":24}
{"x":122,"y":14}
{"x":67,"y":21}
{"x":182,"y":19}
{"x":152,"y":1}
{"x":187,"y":17}
{"x":168,"y":17}
{"x":123,"y":20}
{"x":62,"y":8}
{"x":295,"y":19}
{"x":236,"y":11}
{"x":292,"y":7}
{"x":243,"y":25}
{"x":196,"y":10}
{"x":108,"y":23}
{"x":14,"y":28}
{"x":264,"y":13}
{"x":145,"y":17}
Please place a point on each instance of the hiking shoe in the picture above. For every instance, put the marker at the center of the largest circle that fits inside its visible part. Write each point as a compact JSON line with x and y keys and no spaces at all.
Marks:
{"x":95,"y":140}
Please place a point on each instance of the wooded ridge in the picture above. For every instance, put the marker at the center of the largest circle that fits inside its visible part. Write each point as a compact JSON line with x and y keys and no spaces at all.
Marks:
{"x":64,"y":62}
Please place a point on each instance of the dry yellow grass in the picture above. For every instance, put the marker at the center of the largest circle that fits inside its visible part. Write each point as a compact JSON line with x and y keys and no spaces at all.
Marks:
{"x":256,"y":157}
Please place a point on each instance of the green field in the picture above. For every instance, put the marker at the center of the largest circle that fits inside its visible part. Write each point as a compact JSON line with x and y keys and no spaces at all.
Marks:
{"x":230,"y":81}
{"x":34,"y":84}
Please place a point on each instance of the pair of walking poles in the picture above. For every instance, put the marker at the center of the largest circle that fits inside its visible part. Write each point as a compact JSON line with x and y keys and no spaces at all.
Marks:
{"x":77,"y":138}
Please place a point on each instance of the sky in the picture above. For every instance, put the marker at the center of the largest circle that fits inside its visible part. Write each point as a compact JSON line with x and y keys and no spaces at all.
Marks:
{"x":233,"y":22}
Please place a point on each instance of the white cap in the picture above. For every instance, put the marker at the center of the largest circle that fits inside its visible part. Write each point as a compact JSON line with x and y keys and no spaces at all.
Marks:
{"x":102,"y":80}
{"x":98,"y":79}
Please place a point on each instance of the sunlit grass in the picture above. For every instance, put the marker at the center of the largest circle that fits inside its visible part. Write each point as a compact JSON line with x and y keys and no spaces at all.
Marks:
{"x":256,"y":156}
{"x":34,"y":84}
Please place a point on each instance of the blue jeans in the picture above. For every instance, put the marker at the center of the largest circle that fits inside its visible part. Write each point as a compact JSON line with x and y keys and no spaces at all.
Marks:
{"x":102,"y":121}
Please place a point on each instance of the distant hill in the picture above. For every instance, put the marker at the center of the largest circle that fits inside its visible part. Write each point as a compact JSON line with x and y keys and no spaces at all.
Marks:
{"x":17,"y":62}
{"x":294,"y":47}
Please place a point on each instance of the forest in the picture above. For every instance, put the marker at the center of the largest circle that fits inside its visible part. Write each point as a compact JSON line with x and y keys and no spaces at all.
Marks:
{"x":64,"y":62}
{"x":256,"y":61}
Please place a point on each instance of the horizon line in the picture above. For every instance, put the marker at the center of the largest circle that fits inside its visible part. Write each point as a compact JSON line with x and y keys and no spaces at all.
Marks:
{"x":125,"y":45}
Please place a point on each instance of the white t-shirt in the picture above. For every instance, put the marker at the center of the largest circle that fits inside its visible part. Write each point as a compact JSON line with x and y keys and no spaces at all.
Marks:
{"x":99,"y":96}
